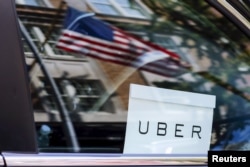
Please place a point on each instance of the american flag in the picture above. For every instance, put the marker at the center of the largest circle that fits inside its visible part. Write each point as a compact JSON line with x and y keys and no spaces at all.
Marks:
{"x":94,"y":38}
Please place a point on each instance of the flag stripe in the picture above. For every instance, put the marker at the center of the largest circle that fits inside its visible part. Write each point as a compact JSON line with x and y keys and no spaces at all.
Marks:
{"x":158,"y":65}
{"x":87,"y":49}
{"x":104,"y":43}
{"x":149,"y":44}
{"x":90,"y":44}
{"x":122,"y":39}
{"x":147,"y":68}
{"x":105,"y":50}
{"x":93,"y":52}
{"x":98,"y":49}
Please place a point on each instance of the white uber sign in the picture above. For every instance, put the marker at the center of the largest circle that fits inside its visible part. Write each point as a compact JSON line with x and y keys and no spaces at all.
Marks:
{"x":164,"y":121}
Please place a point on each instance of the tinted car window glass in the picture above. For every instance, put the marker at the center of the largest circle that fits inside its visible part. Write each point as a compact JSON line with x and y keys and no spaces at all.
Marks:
{"x":213,"y":52}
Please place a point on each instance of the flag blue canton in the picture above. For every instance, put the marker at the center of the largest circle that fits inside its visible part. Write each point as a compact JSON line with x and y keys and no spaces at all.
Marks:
{"x":88,"y":25}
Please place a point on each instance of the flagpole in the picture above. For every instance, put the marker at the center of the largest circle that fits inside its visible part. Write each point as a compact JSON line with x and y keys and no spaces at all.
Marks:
{"x":66,"y":120}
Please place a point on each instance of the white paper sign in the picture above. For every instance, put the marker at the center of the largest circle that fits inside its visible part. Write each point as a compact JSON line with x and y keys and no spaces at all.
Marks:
{"x":164,"y":121}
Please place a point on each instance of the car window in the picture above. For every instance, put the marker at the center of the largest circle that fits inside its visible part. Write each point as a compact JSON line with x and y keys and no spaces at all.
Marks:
{"x":80,"y":88}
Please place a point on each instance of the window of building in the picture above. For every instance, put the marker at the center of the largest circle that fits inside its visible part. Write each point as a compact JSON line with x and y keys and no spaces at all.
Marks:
{"x":78,"y":94}
{"x":105,"y":7}
{"x":34,"y":38}
{"x":120,"y":8}
{"x":37,"y":3}
{"x":34,"y":2}
{"x":132,"y":9}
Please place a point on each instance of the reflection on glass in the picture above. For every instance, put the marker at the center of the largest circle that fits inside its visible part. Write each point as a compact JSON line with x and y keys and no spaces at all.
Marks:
{"x":216,"y":51}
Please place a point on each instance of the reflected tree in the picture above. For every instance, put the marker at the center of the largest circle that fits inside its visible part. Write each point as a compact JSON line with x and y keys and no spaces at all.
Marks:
{"x":203,"y":29}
